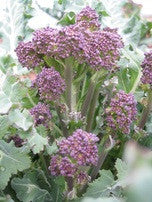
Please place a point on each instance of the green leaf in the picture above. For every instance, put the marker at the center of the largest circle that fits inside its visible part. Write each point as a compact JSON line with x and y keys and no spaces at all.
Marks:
{"x":36,"y":142}
{"x":6,"y":62}
{"x":39,"y":178}
{"x":127,"y":78}
{"x":27,"y":190}
{"x":68,"y":19}
{"x":4,"y":124}
{"x":109,"y":199}
{"x":100,"y":187}
{"x":5,"y":102}
{"x":42,"y":130}
{"x":149,"y":124}
{"x":21,"y":119}
{"x":140,"y":187}
{"x":12,"y":24}
{"x":147,"y":141}
{"x":6,"y":199}
{"x":11,"y":161}
{"x":122,"y":169}
{"x":45,"y":19}
{"x":11,"y":92}
{"x":130,"y":71}
{"x":52,"y":149}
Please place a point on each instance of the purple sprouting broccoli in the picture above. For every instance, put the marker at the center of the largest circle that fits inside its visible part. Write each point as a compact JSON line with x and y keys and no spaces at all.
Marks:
{"x":122,"y":112}
{"x":88,"y":18}
{"x":41,"y":114}
{"x":147,"y":69}
{"x":76,"y":151}
{"x":27,"y":55}
{"x":17,"y":140}
{"x":62,"y":166}
{"x":50,"y":84}
{"x":81,"y":147}
{"x":45,"y":41}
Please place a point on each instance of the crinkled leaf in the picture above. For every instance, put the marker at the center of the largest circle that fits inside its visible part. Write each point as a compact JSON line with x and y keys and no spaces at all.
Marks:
{"x":11,"y":161}
{"x":6,"y":198}
{"x":11,"y":92}
{"x":122,"y":169}
{"x":21,"y":119}
{"x":38,"y":177}
{"x":4,"y":124}
{"x":42,"y":130}
{"x":109,"y":199}
{"x":27,"y":190}
{"x":12,"y":15}
{"x":67,"y":19}
{"x":5,"y":103}
{"x":36,"y":142}
{"x":40,"y":18}
{"x":99,"y":187}
{"x":130,"y":71}
{"x":51,"y":149}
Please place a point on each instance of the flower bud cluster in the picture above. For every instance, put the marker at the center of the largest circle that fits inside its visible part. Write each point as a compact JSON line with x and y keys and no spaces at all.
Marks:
{"x":122,"y":112}
{"x":147,"y":69}
{"x":84,"y":41}
{"x":50,"y":84}
{"x":17,"y":140}
{"x":27,"y":55}
{"x":77,"y":150}
{"x":41,"y":114}
{"x":88,"y":18}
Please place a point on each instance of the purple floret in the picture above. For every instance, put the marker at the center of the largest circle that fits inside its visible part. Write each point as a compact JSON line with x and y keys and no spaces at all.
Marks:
{"x":122,"y":112}
{"x":17,"y":140}
{"x":147,"y":69}
{"x":62,"y":166}
{"x":45,"y":41}
{"x":77,"y":150}
{"x":81,"y":147}
{"x":27,"y":56}
{"x":88,"y":18}
{"x":84,"y":41}
{"x":50,"y":84}
{"x":41,"y":114}
{"x":102,"y":50}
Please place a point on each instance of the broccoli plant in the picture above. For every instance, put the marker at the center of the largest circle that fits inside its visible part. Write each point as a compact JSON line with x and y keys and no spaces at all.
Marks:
{"x":70,"y":101}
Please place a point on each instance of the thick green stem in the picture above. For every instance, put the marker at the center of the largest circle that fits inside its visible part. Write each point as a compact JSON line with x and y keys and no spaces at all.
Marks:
{"x":92,"y":109}
{"x":88,"y":99}
{"x":101,"y":160}
{"x":95,"y":80}
{"x":90,"y":115}
{"x":146,"y":111}
{"x":43,"y":162}
{"x":30,"y":99}
{"x":68,"y":80}
{"x":103,"y":152}
{"x":61,"y":118}
{"x":57,"y":129}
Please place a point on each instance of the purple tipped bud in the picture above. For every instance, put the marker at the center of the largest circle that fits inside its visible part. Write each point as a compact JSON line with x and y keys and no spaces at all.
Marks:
{"x":41,"y":114}
{"x":27,"y":56}
{"x":50,"y":84}
{"x":147,"y":69}
{"x":122,"y":112}
{"x":81,"y":146}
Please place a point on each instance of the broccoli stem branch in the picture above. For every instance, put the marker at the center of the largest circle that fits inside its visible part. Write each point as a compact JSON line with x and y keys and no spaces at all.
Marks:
{"x":68,"y":80}
{"x":88,"y":99}
{"x":92,"y":110}
{"x":146,"y":111}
